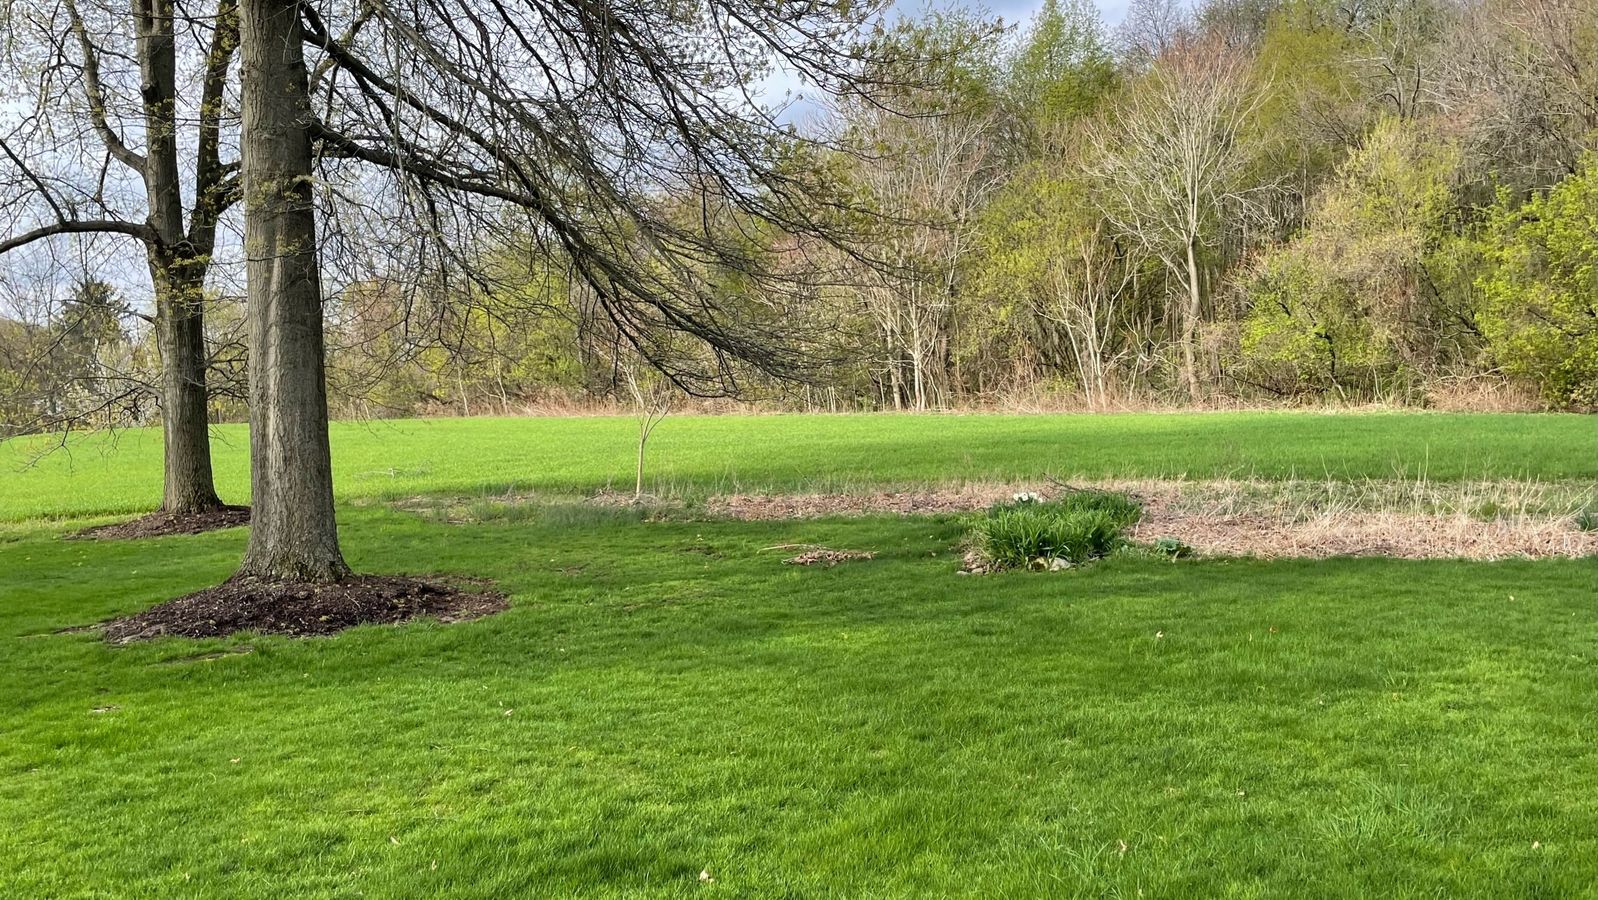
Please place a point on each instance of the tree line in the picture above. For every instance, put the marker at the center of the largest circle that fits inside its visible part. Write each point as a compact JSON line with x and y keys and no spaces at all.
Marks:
{"x":1244,"y":200}
{"x":1248,"y":200}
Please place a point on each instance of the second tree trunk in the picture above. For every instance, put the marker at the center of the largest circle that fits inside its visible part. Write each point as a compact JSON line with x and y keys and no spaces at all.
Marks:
{"x":293,"y":536}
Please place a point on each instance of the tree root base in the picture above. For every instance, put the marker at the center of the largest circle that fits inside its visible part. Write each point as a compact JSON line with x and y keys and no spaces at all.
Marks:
{"x":302,"y":609}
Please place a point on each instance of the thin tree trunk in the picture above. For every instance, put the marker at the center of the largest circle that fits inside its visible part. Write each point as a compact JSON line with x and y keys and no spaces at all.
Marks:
{"x":643,"y":441}
{"x":293,"y":536}
{"x":916,"y":363}
{"x":1190,"y":326}
{"x":188,"y":486}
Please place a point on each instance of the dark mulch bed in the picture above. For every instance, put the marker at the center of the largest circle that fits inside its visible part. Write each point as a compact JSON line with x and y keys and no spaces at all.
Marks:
{"x":304,"y":610}
{"x":158,"y":524}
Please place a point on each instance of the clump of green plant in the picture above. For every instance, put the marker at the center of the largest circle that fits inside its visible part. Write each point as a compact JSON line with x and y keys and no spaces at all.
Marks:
{"x":1172,"y":547}
{"x":1072,"y":530}
{"x":1587,"y":520}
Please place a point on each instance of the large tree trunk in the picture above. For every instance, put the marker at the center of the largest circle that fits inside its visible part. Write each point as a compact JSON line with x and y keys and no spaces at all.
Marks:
{"x":188,"y":486}
{"x":293,"y":535}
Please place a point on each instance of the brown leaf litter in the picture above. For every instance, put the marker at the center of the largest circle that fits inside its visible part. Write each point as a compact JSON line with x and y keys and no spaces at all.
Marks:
{"x":823,"y":556}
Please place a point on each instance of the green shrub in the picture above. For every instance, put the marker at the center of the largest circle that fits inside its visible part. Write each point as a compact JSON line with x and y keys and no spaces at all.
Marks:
{"x":1172,"y":547}
{"x":1076,"y":528}
{"x":1537,"y":310}
{"x":1118,"y":506}
{"x":1338,"y":308}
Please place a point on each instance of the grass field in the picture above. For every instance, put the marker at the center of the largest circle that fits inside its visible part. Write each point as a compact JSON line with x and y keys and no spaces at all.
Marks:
{"x":665,"y":698}
{"x":396,"y":458}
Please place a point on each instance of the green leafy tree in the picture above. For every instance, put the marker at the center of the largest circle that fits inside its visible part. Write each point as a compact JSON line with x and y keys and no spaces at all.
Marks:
{"x":1061,"y":68}
{"x":1042,"y":309}
{"x":1057,"y":280}
{"x":1539,"y":296}
{"x":1350,"y":304}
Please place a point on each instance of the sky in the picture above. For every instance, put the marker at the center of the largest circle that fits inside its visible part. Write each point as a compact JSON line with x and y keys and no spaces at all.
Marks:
{"x":1013,"y":12}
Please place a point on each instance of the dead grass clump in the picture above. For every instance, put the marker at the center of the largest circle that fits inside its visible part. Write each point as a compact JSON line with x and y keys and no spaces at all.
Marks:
{"x":764,"y":507}
{"x":1481,"y":393}
{"x":817,"y":555}
{"x":1302,"y":500}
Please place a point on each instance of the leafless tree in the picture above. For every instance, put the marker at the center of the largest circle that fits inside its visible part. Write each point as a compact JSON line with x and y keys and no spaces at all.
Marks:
{"x":1401,"y":65}
{"x":935,"y":179}
{"x":1087,"y":287}
{"x":1518,"y":80}
{"x":581,"y":121}
{"x":1172,"y":165}
{"x":652,"y":401}
{"x":119,"y":105}
{"x":1151,"y":28}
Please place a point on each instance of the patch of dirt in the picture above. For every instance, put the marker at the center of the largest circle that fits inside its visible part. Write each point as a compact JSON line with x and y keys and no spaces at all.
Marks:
{"x":304,"y":610}
{"x":1414,"y":519}
{"x":160,"y":524}
{"x":826,"y":556}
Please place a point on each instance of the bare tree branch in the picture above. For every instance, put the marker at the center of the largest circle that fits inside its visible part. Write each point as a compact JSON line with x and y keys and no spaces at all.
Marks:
{"x":103,"y":226}
{"x":96,"y":94}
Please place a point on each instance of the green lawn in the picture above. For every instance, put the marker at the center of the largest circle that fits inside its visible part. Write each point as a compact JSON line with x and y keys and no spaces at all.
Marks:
{"x":394,"y":458}
{"x":663,"y":698}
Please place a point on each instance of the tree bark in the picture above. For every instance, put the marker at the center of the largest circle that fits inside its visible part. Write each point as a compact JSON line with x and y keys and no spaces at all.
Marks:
{"x":294,"y":536}
{"x":1195,"y":308}
{"x":188,"y":485}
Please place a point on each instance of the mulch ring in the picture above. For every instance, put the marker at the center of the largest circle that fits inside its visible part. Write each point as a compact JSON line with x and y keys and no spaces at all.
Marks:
{"x":159,"y":524}
{"x":305,"y":609}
